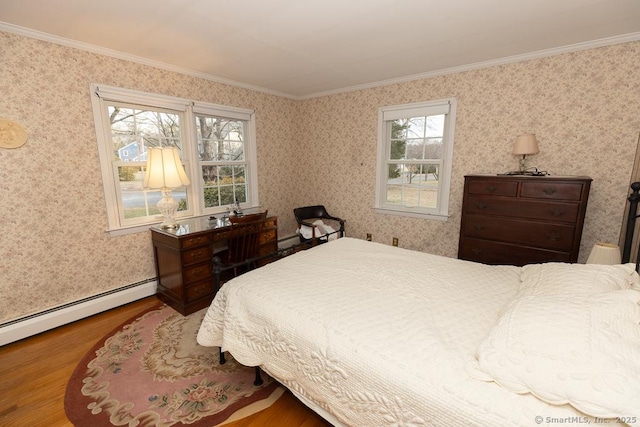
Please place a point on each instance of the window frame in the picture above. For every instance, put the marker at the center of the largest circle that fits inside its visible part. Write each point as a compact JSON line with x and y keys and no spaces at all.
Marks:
{"x":386,"y":116}
{"x":102,"y":96}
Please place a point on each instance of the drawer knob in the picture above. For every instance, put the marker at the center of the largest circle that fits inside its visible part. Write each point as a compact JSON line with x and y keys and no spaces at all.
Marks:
{"x":476,"y":251}
{"x":198,"y":272}
{"x":481,"y":205}
{"x":554,"y":237}
{"x":557,"y":212}
{"x":196,"y":254}
{"x":549,"y":191}
{"x":491,"y":189}
{"x":478,"y":227}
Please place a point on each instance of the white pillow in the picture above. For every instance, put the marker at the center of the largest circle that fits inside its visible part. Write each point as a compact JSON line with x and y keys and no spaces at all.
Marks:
{"x":575,"y":279}
{"x":581,"y":350}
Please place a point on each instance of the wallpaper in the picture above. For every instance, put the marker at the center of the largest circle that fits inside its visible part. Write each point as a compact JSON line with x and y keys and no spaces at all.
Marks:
{"x":583,"y":107}
{"x":54,"y":248}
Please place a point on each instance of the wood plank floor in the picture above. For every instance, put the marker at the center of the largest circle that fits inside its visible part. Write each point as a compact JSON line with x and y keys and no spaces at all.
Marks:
{"x":34,"y":374}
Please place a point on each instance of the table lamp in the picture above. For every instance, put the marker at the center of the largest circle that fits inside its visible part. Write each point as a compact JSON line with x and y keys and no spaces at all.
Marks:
{"x":604,"y":253}
{"x":165,"y":172}
{"x":525,"y":144}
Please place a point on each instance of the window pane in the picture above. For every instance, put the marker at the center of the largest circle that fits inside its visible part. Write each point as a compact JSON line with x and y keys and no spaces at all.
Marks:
{"x":138,"y":202}
{"x":415,"y":149}
{"x":395,"y":184}
{"x":219,"y":139}
{"x":416,"y":127}
{"x":433,"y":148}
{"x":133,"y":131}
{"x":428,"y":182}
{"x":398,"y":139}
{"x":413,"y":185}
{"x":224,"y":185}
{"x":135,"y":201}
{"x":435,"y":126}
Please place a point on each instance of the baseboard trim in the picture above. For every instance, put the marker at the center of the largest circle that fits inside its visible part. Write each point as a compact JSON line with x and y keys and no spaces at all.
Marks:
{"x":34,"y":324}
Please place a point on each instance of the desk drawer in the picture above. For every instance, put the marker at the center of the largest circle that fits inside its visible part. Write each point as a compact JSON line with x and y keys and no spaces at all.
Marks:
{"x":529,"y":233}
{"x":189,"y":242}
{"x":199,"y":289}
{"x":267,"y":236}
{"x":198,"y":272}
{"x":520,"y":208}
{"x":201,"y":253}
{"x":271,"y":222}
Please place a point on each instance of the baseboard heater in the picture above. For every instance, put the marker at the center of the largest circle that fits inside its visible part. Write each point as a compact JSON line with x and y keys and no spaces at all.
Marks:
{"x":36,"y":323}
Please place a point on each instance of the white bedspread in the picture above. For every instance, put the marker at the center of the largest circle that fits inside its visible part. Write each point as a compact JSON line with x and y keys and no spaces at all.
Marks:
{"x":376,"y":335}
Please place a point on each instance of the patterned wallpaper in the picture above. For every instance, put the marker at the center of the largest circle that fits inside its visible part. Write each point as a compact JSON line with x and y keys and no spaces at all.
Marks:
{"x":54,"y":248}
{"x":584,"y":108}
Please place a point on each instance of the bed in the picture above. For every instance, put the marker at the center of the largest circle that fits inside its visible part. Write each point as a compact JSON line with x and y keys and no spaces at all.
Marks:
{"x":373,"y":335}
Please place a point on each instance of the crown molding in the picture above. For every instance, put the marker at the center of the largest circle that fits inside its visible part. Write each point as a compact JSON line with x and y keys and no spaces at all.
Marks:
{"x":625,"y":38}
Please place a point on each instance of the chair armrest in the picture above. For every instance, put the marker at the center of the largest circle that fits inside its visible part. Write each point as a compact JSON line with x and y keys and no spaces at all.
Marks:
{"x":308,"y":224}
{"x":340,"y":220}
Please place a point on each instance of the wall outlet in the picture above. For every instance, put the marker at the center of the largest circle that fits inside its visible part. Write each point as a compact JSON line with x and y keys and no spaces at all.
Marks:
{"x":394,"y":242}
{"x":368,"y":237}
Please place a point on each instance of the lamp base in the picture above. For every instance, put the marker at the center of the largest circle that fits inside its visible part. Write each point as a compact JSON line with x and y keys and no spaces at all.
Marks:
{"x":167,"y":207}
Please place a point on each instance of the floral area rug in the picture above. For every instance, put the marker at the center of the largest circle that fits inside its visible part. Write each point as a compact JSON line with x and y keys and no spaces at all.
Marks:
{"x":151,"y":372}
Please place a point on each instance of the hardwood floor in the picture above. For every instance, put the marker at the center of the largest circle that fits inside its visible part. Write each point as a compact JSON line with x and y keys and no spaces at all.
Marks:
{"x":34,"y":374}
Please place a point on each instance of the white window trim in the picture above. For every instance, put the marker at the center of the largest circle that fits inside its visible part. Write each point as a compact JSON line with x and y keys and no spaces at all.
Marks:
{"x":393,"y":112}
{"x":187,"y":108}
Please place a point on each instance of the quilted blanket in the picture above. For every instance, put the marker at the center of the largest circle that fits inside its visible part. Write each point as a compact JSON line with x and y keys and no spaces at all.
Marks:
{"x":376,"y":335}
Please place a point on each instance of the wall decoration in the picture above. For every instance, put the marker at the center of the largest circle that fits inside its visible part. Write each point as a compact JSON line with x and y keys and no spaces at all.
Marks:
{"x":12,"y":135}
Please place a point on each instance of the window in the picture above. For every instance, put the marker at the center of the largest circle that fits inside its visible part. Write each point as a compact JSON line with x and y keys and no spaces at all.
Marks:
{"x":415,"y":150}
{"x":215,"y":143}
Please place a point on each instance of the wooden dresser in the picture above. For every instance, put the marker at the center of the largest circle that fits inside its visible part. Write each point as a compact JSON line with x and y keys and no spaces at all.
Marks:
{"x":183,"y":259}
{"x":520,"y":220}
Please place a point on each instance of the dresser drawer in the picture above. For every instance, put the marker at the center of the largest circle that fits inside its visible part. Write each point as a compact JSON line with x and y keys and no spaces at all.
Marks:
{"x":552,"y":190}
{"x":521,"y":208}
{"x":497,"y":252}
{"x":198,"y":272}
{"x":189,"y":242}
{"x":528,"y":233}
{"x":493,"y":188}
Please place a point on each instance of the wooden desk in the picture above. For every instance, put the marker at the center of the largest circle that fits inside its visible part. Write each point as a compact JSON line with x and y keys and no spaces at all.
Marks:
{"x":183,"y":259}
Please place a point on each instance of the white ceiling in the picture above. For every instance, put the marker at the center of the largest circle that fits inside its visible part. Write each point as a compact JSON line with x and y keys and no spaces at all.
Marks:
{"x":304,"y":48}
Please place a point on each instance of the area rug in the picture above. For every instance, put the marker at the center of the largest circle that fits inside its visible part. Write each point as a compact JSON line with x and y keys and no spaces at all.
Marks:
{"x":151,"y":372}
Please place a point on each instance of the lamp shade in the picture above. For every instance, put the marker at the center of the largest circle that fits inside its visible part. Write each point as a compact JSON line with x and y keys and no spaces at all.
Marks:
{"x":604,"y":253}
{"x":164,"y":169}
{"x":526,"y":144}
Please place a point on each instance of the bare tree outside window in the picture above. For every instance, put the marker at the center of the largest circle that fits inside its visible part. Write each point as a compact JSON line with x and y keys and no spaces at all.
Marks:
{"x":221,"y":153}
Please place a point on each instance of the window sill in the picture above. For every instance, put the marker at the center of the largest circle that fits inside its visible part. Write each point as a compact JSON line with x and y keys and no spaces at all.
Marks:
{"x":131,"y":230}
{"x":423,"y":215}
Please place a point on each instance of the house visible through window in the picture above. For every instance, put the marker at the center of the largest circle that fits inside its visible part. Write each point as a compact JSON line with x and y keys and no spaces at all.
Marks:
{"x":215,"y":143}
{"x":415,"y":148}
